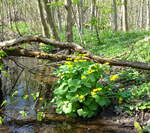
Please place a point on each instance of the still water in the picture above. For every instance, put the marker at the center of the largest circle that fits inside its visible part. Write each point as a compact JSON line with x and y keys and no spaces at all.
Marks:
{"x":27,"y":77}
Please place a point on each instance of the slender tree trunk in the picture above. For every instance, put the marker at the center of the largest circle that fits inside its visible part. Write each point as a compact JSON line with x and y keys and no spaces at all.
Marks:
{"x":80,"y":14}
{"x":50,"y":20}
{"x":114,"y":17}
{"x":148,"y":14}
{"x":93,"y":9}
{"x":141,"y":14}
{"x":59,"y":18}
{"x":69,"y":26}
{"x":124,"y":16}
{"x":46,"y":29}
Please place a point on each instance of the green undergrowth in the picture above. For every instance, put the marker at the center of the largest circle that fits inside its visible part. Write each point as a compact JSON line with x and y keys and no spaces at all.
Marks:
{"x":137,"y":86}
{"x":133,"y":45}
{"x":118,"y":43}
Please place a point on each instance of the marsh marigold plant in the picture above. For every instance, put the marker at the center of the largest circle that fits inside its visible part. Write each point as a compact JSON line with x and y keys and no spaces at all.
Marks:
{"x":78,"y":91}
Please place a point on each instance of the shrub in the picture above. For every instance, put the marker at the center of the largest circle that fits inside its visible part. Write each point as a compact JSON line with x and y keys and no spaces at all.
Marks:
{"x":83,"y":88}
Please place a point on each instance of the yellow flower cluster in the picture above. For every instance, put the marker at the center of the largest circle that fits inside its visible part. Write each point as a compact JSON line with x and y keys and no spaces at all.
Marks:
{"x":106,"y":63}
{"x":95,"y":90}
{"x":114,"y":77}
{"x":90,"y":71}
{"x":41,"y":98}
{"x":81,"y":96}
{"x":77,"y":59}
{"x":69,"y":59}
{"x":69,"y":64}
{"x":83,"y":77}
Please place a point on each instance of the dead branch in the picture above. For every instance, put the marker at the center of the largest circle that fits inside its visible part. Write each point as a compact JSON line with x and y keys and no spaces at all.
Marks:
{"x":65,"y":45}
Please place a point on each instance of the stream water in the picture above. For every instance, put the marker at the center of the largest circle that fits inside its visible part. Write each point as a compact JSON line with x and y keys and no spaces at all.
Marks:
{"x":27,"y":82}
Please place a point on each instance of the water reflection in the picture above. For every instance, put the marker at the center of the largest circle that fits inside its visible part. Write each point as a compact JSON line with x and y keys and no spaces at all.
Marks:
{"x":28,"y":83}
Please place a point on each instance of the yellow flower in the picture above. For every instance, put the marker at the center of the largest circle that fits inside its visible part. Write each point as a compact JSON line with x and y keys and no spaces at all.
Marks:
{"x":93,"y":93}
{"x":94,"y":90}
{"x":78,"y":58}
{"x":69,"y":59}
{"x":70,"y":66}
{"x":81,"y":97}
{"x":82,"y":60}
{"x":114,"y":77}
{"x":138,"y":127}
{"x":41,"y":98}
{"x":68,"y":63}
{"x":76,"y":61}
{"x":99,"y":89}
{"x":120,"y":100}
{"x":90,"y":71}
{"x":83,"y":77}
{"x":106,"y":63}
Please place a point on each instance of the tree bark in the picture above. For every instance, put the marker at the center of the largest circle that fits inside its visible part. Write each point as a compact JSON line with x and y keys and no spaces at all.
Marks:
{"x":148,"y":14}
{"x":46,"y":29}
{"x":141,"y":14}
{"x":124,"y":16}
{"x":93,"y":14}
{"x":114,"y":15}
{"x":59,"y":18}
{"x":80,"y":14}
{"x":50,"y":20}
{"x":69,"y":26}
{"x":65,"y":45}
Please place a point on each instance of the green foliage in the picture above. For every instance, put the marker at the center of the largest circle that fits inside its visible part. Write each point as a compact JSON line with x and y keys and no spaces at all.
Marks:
{"x":1,"y":120}
{"x":46,"y":48}
{"x":78,"y":91}
{"x":75,"y":1}
{"x":23,"y":27}
{"x":40,"y":116}
{"x":146,"y":129}
{"x":122,"y":45}
{"x":23,"y":114}
{"x":139,"y":98}
{"x":2,"y":54}
{"x":56,"y":3}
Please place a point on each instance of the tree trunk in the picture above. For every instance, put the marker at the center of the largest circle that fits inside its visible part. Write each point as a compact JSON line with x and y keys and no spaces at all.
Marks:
{"x":50,"y":20}
{"x":141,"y":14}
{"x":114,"y":15}
{"x":148,"y":14}
{"x":124,"y":16}
{"x":59,"y":18}
{"x":93,"y":10}
{"x":46,"y":29}
{"x":80,"y":14}
{"x":69,"y":26}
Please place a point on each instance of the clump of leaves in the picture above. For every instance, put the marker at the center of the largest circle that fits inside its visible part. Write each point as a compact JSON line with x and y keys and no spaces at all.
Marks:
{"x":139,"y":98}
{"x":83,"y":88}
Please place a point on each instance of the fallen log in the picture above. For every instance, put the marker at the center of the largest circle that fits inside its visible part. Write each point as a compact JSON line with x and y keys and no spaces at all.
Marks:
{"x":56,"y":57}
{"x":65,"y":45}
